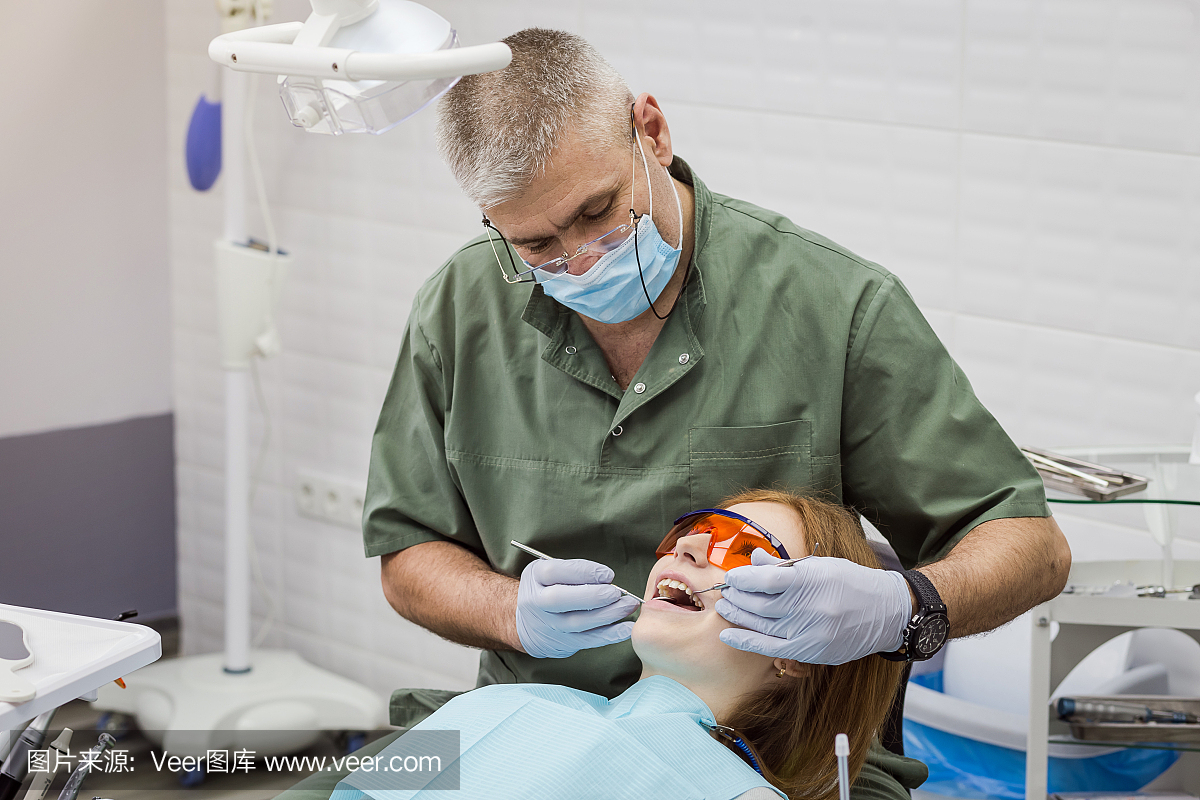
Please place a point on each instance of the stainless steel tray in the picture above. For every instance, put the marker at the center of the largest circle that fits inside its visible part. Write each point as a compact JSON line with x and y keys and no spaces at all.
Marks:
{"x":1141,"y":731}
{"x":1119,"y":483}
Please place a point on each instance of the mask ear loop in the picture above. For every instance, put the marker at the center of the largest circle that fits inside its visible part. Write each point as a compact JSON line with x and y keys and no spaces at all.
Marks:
{"x":636,"y":252}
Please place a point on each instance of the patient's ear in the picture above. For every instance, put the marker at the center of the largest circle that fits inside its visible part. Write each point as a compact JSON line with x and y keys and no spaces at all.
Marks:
{"x":787,"y":668}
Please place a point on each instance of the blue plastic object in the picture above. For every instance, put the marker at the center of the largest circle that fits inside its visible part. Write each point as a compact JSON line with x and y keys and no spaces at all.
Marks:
{"x":203,"y":148}
{"x":192,"y":778}
{"x":968,"y":768}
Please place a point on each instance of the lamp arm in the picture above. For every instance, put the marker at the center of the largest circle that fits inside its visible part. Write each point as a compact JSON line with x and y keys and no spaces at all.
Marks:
{"x":269,"y":49}
{"x":428,"y":66}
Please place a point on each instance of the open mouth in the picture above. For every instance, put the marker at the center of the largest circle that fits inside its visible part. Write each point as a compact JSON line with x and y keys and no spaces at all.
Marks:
{"x":677,"y":593}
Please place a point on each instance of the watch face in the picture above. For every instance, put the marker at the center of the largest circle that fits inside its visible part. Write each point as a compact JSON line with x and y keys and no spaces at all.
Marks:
{"x":932,"y":635}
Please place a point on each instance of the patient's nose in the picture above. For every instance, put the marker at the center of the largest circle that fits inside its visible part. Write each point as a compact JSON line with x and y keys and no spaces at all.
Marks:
{"x":694,"y":548}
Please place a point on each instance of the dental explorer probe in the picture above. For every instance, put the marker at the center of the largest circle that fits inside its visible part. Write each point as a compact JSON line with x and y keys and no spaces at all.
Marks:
{"x":545,"y":557}
{"x":786,"y":563}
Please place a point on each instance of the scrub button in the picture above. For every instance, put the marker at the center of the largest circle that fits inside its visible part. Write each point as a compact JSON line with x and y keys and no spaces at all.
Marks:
{"x":638,"y":388}
{"x":617,"y":431}
{"x":571,"y":350}
{"x":683,"y":359}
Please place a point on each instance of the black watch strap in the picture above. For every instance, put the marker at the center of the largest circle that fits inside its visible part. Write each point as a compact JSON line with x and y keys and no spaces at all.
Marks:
{"x":928,"y":598}
{"x":928,"y":620}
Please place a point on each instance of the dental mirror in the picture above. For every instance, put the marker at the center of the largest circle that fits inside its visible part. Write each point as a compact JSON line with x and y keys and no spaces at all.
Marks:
{"x":786,"y":563}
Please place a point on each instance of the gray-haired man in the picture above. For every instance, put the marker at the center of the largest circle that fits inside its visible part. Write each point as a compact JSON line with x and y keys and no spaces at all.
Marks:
{"x":621,"y":346}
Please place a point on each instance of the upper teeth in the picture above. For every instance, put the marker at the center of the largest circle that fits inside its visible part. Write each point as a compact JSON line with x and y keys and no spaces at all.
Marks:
{"x":674,"y":584}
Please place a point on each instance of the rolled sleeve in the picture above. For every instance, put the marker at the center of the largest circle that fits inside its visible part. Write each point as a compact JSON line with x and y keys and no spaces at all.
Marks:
{"x":412,"y":497}
{"x":923,"y":460}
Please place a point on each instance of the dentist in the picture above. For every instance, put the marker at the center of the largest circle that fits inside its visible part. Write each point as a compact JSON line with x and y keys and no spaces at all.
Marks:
{"x":622,"y":345}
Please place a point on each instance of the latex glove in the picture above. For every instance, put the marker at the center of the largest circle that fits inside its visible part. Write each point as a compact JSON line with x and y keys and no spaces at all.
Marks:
{"x":568,"y":605}
{"x":819,"y":611}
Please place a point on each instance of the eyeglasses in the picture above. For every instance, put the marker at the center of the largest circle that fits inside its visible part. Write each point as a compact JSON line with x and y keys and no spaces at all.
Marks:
{"x":598,"y":247}
{"x":733,"y":537}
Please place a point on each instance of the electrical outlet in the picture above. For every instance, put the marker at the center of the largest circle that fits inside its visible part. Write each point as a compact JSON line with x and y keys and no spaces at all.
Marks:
{"x":329,"y":499}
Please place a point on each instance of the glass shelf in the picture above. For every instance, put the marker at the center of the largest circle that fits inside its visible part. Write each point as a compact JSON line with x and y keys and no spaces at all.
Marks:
{"x":1179,"y":747}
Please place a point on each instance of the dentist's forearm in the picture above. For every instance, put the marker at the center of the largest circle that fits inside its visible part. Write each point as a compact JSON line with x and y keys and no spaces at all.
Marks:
{"x":1000,"y":570}
{"x":449,"y":590}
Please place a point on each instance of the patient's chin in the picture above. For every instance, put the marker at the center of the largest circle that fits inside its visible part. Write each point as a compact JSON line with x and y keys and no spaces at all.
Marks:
{"x":668,"y":641}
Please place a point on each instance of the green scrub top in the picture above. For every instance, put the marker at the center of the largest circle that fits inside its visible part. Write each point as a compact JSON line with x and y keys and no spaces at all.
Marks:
{"x":788,"y":362}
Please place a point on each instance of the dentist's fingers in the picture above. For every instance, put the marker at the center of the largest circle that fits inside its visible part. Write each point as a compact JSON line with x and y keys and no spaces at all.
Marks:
{"x":557,"y":619}
{"x":754,"y":642}
{"x":763,"y":605}
{"x":609,"y":634}
{"x":592,"y":619}
{"x":746,"y":619}
{"x":766,"y":579}
{"x":561,"y":597}
{"x":570,"y":571}
{"x":761,"y":558}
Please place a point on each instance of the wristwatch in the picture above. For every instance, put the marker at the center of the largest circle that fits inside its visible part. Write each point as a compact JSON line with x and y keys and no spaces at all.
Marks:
{"x":929,"y":627}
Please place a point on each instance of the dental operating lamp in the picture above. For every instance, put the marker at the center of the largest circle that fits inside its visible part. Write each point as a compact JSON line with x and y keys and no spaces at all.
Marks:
{"x":354,"y":66}
{"x":358,"y":66}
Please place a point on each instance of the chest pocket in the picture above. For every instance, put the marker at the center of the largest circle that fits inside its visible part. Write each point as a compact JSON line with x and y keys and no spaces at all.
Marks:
{"x":727,"y":460}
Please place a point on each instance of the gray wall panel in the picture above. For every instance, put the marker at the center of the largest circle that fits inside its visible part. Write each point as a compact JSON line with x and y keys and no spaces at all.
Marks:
{"x":87,"y":519}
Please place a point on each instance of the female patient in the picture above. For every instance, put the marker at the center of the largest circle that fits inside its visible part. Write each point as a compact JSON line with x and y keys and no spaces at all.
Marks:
{"x":776,"y":718}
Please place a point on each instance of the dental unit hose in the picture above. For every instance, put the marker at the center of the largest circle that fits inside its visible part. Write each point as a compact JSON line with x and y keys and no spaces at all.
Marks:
{"x":16,"y":765}
{"x":737,"y":741}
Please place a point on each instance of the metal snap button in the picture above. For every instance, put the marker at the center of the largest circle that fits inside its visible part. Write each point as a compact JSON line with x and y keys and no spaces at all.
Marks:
{"x":571,"y":350}
{"x":639,"y":388}
{"x":683,"y":359}
{"x":617,"y":431}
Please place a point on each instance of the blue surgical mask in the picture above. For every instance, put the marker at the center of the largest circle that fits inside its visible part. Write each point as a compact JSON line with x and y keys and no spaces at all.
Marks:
{"x":611,"y":291}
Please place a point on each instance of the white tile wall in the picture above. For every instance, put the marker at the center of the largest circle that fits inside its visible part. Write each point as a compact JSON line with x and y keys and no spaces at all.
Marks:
{"x":1030,"y":169}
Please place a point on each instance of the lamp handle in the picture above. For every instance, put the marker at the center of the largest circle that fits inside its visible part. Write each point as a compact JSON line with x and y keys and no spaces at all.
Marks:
{"x":268,"y":49}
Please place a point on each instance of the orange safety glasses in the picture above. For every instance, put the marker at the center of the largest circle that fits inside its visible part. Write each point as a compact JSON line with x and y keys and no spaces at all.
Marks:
{"x":734,"y":537}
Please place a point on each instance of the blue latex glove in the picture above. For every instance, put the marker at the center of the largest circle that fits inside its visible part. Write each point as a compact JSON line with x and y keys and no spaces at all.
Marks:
{"x":568,"y":605}
{"x":819,"y":611}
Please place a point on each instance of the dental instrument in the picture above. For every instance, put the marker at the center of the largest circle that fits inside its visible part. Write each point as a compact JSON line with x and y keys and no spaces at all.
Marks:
{"x":841,"y":749}
{"x":1063,"y":469}
{"x":786,"y":563}
{"x":1075,"y":476}
{"x":14,"y":655}
{"x":1072,"y":709}
{"x":42,"y":780}
{"x":86,"y":761}
{"x":16,"y":764}
{"x":545,"y":557}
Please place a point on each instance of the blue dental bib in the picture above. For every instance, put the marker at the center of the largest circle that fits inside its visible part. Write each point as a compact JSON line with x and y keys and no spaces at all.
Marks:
{"x":533,"y":741}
